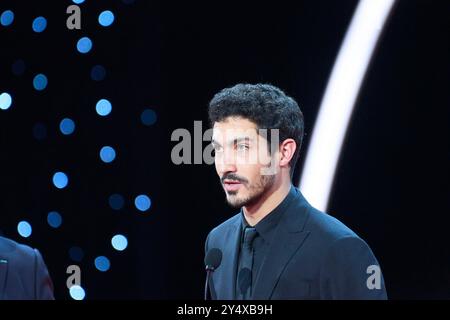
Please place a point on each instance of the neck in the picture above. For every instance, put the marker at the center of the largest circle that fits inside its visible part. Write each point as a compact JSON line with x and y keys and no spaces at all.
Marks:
{"x":269,"y":201}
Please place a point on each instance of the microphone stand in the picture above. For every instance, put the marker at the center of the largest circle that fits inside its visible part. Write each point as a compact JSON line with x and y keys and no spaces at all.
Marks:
{"x":209,"y":271}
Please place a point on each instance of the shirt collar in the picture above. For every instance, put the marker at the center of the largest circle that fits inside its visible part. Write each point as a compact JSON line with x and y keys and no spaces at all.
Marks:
{"x":270,"y":221}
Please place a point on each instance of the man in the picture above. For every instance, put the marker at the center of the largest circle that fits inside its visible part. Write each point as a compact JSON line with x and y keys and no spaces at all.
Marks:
{"x":23,"y":274}
{"x":278,"y":246}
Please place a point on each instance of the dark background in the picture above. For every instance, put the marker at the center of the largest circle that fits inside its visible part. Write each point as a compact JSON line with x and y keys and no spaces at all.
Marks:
{"x":392,"y":184}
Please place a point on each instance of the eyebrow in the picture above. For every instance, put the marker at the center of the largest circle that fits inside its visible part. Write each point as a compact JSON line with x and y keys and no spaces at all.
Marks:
{"x":234,"y":141}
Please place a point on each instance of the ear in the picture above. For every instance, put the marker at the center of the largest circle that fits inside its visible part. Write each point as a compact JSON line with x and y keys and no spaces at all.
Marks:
{"x":287,"y":151}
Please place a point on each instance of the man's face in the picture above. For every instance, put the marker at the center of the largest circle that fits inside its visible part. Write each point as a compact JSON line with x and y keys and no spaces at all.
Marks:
{"x":240,"y":155}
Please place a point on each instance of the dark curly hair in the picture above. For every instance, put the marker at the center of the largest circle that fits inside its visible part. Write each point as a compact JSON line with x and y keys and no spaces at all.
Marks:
{"x":265,"y":105}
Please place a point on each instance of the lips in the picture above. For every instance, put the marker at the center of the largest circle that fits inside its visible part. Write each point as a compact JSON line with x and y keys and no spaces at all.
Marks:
{"x":231,"y":185}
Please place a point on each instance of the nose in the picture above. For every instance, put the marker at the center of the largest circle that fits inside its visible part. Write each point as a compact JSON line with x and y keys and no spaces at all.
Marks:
{"x":226,"y":163}
{"x":226,"y":169}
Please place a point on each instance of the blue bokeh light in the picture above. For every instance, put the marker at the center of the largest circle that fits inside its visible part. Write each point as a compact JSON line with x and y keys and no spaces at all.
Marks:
{"x":107,"y":154}
{"x":18,"y":67}
{"x":84,"y":45}
{"x":119,"y":242}
{"x":102,"y":263}
{"x":54,"y":219}
{"x":60,"y":180}
{"x":142,"y":202}
{"x":106,"y":18}
{"x":67,"y":126}
{"x":24,"y":229}
{"x":148,"y":117}
{"x":40,"y":82}
{"x":5,"y":101}
{"x":103,"y":107}
{"x":98,"y":73}
{"x":76,"y":254}
{"x":77,"y":292}
{"x":39,"y":131}
{"x":78,"y":1}
{"x":116,"y":201}
{"x":39,"y":24}
{"x":7,"y":18}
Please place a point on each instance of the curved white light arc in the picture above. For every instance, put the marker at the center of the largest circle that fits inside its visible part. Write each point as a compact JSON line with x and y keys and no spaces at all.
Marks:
{"x":338,"y":101}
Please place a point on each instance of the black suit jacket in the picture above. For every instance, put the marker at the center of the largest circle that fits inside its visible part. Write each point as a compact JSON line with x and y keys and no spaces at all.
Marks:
{"x":23,"y":274}
{"x":312,"y":256}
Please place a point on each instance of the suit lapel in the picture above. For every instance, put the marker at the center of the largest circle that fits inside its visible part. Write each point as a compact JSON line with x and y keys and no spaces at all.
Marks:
{"x":274,"y":263}
{"x":229,"y":266}
{"x":289,"y":237}
{"x":3,"y":273}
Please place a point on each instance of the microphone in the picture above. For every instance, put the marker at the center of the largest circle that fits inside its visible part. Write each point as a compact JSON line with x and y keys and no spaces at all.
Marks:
{"x":212,"y":262}
{"x":244,"y":280}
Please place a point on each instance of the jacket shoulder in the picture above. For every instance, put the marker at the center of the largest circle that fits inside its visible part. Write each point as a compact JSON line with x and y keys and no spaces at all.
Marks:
{"x":219,"y":232}
{"x":328,"y":227}
{"x":19,"y":255}
{"x":225,"y":225}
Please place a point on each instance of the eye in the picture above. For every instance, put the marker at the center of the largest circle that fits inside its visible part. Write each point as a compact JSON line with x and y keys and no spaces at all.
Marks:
{"x":242,"y":147}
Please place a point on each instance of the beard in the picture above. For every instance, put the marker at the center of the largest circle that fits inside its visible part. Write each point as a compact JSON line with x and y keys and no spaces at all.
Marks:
{"x":255,"y":192}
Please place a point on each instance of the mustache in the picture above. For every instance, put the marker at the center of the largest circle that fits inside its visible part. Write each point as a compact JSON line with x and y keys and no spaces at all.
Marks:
{"x":232,"y":176}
